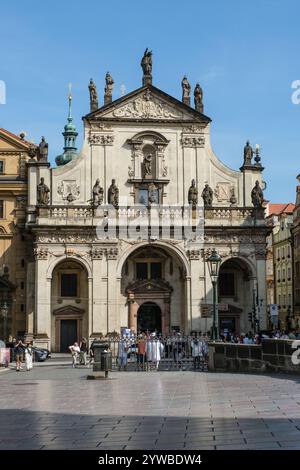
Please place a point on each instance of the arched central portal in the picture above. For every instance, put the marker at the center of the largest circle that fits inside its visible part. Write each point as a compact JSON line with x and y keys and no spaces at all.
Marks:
{"x":149,"y":318}
{"x":154,"y":281}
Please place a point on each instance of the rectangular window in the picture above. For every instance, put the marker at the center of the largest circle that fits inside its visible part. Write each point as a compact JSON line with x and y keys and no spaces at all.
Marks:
{"x":156,"y":271}
{"x":1,"y":167}
{"x":143,"y":197}
{"x":279,"y":299}
{"x":226,"y":284}
{"x":283,"y":274}
{"x":148,"y":197}
{"x":141,"y":270}
{"x":68,"y":285}
{"x":1,"y":209}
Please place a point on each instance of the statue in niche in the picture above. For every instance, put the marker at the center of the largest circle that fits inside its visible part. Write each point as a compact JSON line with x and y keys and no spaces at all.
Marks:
{"x":43,"y":193}
{"x":207,"y":195}
{"x":97,"y":194}
{"x":248,"y":154}
{"x":43,"y":149}
{"x":147,"y":164}
{"x":193,"y":194}
{"x":257,"y":195}
{"x":113,"y":194}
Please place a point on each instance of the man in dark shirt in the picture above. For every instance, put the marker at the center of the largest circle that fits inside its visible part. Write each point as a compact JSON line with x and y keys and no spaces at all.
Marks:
{"x":19,"y":354}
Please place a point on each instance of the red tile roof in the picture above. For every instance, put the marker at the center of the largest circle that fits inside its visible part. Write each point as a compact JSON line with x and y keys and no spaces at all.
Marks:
{"x":276,"y":209}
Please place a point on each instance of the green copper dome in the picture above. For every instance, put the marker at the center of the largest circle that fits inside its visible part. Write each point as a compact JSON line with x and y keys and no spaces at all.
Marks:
{"x":70,"y":135}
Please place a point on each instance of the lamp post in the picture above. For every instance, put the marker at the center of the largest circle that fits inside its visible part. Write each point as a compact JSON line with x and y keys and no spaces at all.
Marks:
{"x":4,"y":314}
{"x":214,"y":262}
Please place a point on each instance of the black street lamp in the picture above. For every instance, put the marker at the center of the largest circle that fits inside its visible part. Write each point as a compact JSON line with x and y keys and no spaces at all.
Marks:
{"x":4,"y":315}
{"x":214,"y":263}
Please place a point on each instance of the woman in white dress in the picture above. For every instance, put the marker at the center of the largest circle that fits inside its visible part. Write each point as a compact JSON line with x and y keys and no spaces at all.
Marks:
{"x":28,"y":357}
{"x":154,"y":350}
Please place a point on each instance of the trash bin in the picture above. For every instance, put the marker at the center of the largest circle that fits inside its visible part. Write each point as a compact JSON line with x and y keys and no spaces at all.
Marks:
{"x":106,"y":360}
{"x":98,"y":348}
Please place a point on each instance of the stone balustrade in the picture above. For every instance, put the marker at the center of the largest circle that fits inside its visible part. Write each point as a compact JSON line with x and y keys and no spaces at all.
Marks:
{"x":173,"y":215}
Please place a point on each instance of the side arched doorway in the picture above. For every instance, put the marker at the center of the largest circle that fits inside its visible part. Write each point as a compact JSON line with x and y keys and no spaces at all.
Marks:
{"x":149,"y":318}
{"x":69,"y":304}
{"x":236,"y":289}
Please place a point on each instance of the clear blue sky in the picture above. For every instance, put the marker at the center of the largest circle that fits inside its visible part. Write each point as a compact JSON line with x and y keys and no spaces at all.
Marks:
{"x":245,"y":55}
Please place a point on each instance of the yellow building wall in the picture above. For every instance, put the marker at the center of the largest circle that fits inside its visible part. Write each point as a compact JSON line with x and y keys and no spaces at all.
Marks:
{"x":13,"y":239}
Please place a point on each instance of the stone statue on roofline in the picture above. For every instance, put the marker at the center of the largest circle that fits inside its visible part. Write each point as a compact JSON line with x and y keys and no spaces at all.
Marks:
{"x":93,"y":96}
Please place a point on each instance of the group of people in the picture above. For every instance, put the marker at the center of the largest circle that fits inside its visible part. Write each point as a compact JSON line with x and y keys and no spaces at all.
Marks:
{"x":241,"y":338}
{"x":147,"y":350}
{"x":150,"y":349}
{"x":23,"y":351}
{"x":285,"y":334}
{"x":251,"y":338}
{"x":80,"y":351}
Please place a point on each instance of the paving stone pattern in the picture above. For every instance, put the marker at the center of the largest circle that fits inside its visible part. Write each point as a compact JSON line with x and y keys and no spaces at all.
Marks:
{"x":57,"y":408}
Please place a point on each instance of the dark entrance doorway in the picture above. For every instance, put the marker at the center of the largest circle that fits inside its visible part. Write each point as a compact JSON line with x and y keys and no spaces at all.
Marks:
{"x":227,"y":323}
{"x":68,"y":334}
{"x":149,"y":318}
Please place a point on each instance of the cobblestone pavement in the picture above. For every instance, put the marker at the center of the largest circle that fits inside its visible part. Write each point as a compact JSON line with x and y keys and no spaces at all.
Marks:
{"x":57,"y":408}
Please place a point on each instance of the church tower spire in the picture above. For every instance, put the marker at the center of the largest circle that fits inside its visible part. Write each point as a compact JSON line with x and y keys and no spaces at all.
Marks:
{"x":70,"y":135}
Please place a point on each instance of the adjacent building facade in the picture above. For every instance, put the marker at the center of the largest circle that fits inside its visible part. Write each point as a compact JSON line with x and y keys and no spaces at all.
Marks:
{"x":280,"y":263}
{"x":122,"y":230}
{"x":14,"y":243}
{"x":296,"y":253}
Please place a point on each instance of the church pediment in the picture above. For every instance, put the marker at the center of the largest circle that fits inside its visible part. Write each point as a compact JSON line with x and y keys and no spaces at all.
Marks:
{"x":149,"y":285}
{"x":12,"y":143}
{"x":148,"y":103}
{"x":68,"y":311}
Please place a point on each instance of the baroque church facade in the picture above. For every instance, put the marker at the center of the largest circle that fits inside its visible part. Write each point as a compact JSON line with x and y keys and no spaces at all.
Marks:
{"x":121,"y":230}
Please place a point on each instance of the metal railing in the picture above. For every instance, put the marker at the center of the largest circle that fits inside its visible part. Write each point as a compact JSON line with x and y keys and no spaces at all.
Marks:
{"x":169,"y":354}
